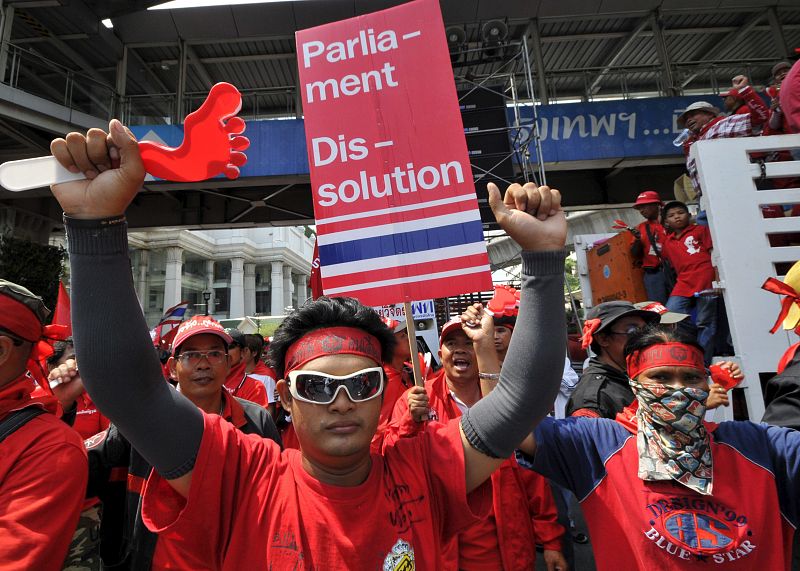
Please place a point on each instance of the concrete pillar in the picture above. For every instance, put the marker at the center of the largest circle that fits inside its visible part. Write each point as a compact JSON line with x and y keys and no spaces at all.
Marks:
{"x":141,"y":279}
{"x":249,"y":289}
{"x":276,"y":288}
{"x":210,"y":285}
{"x":237,"y":288}
{"x":288,"y":286}
{"x":300,"y":281}
{"x":172,"y":280}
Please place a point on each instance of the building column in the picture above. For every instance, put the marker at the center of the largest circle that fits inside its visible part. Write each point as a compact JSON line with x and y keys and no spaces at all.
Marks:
{"x":210,"y":286}
{"x":249,"y":289}
{"x":276,"y":289}
{"x":237,"y":288}
{"x":300,"y":281}
{"x":141,"y":279}
{"x":288,"y":286}
{"x":172,"y":279}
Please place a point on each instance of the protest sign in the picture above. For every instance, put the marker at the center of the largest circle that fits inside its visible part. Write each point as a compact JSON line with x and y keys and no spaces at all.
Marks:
{"x":395,"y":207}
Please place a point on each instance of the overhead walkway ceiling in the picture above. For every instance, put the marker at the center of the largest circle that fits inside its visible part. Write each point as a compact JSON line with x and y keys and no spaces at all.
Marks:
{"x":155,"y":66}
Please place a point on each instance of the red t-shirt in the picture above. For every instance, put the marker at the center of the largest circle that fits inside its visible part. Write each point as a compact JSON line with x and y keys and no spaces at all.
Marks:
{"x":690,"y":254}
{"x":650,"y":257}
{"x":244,"y":387}
{"x":43,"y":477}
{"x":393,"y":391}
{"x":252,"y":507}
{"x":88,"y":420}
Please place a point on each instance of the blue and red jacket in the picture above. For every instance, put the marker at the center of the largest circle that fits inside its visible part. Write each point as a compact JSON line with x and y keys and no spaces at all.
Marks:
{"x":746,"y":523}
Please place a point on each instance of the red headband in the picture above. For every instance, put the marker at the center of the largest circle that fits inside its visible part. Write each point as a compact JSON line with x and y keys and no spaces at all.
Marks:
{"x":19,"y":319}
{"x":664,"y":355}
{"x":332,"y":341}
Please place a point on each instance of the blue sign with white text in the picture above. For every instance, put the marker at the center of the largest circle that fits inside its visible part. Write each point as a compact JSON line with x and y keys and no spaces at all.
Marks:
{"x":629,"y":128}
{"x":609,"y":129}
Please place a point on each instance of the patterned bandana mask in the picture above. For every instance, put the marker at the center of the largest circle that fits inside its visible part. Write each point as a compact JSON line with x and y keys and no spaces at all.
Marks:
{"x":672,"y":441}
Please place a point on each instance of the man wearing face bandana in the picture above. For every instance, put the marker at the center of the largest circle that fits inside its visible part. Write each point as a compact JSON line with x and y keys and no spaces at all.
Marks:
{"x":661,"y":488}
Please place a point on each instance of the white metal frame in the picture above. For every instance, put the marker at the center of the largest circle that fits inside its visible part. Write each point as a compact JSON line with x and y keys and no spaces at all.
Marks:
{"x":742,"y":254}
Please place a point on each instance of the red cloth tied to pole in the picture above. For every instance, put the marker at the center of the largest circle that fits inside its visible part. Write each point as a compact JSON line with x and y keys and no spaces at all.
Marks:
{"x":792,"y":297}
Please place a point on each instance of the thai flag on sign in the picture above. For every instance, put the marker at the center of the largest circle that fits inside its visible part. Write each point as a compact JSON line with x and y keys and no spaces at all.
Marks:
{"x":394,"y":199}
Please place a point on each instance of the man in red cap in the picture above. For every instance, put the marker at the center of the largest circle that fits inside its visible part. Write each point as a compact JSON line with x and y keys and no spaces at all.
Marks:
{"x":649,"y":237}
{"x":200,"y":364}
{"x":733,"y":102}
{"x":42,"y":460}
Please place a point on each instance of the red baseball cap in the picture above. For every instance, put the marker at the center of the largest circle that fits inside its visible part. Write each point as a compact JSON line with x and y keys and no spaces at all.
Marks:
{"x":197,"y":325}
{"x":647,"y":197}
{"x":449,"y":327}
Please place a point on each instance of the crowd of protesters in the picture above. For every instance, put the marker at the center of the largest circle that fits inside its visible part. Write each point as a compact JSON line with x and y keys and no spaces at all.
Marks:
{"x":234,"y":453}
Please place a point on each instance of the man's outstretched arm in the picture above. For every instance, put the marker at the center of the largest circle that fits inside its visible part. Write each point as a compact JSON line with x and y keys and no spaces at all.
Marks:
{"x":531,"y":373}
{"x":118,"y":364}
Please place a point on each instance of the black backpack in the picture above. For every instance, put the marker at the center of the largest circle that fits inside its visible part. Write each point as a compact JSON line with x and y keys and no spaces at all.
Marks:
{"x":18,"y":419}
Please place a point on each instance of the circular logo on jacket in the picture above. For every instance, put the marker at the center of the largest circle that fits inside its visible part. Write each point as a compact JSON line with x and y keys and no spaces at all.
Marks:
{"x":699,"y":531}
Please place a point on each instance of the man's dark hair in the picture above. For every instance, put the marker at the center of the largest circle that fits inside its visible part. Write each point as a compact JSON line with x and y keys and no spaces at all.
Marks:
{"x":328,"y":312}
{"x":656,"y":335}
{"x":59,"y":349}
{"x":670,"y":205}
{"x":255,"y":343}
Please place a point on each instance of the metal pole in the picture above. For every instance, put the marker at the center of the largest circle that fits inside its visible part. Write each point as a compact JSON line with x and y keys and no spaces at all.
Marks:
{"x":535,"y":129}
{"x":537,"y":55}
{"x":6,"y":23}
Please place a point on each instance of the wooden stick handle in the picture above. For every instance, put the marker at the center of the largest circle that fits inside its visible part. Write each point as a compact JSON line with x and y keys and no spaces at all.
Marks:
{"x":412,"y":344}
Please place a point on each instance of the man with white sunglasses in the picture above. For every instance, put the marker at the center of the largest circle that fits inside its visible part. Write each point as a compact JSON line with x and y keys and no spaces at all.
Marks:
{"x":239,"y":500}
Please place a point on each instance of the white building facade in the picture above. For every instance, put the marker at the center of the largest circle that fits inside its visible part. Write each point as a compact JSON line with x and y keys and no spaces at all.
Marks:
{"x":252,"y":271}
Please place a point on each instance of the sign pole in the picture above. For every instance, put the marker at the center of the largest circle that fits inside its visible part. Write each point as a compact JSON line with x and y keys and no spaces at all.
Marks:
{"x":412,"y":344}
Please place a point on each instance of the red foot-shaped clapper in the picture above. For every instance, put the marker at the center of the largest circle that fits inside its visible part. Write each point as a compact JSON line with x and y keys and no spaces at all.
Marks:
{"x":211,"y":142}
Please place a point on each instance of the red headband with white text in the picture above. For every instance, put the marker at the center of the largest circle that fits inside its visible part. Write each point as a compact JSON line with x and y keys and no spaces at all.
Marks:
{"x":331,"y":341}
{"x":664,"y":355}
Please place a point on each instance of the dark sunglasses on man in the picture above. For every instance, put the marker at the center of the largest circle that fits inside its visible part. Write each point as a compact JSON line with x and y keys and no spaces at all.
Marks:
{"x":322,"y":388}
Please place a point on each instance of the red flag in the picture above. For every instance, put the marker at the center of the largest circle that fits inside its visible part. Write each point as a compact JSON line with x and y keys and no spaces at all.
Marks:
{"x":315,"y":281}
{"x":62,"y":312}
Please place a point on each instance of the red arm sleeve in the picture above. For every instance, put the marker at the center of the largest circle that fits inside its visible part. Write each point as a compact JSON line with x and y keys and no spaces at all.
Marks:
{"x":759,"y":112}
{"x":40,"y":501}
{"x":542,"y":507}
{"x":401,"y":419}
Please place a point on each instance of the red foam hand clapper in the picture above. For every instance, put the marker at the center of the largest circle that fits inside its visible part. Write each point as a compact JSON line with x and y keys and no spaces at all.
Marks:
{"x":504,"y":302}
{"x":723,"y":377}
{"x":212,"y":145}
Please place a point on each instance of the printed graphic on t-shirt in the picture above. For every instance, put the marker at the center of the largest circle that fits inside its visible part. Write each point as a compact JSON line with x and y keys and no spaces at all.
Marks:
{"x":400,"y":558}
{"x":692,"y":245}
{"x":696,"y":529}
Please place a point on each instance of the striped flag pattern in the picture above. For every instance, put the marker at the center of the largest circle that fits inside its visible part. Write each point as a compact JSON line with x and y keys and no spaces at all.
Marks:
{"x":170,"y":320}
{"x":403,"y":253}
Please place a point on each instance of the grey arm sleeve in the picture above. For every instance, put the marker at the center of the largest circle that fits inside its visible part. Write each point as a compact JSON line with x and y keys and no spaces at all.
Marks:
{"x":118,"y":364}
{"x":531,"y":373}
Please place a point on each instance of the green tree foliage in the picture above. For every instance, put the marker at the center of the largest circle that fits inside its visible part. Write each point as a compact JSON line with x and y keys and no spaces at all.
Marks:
{"x":34,"y":266}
